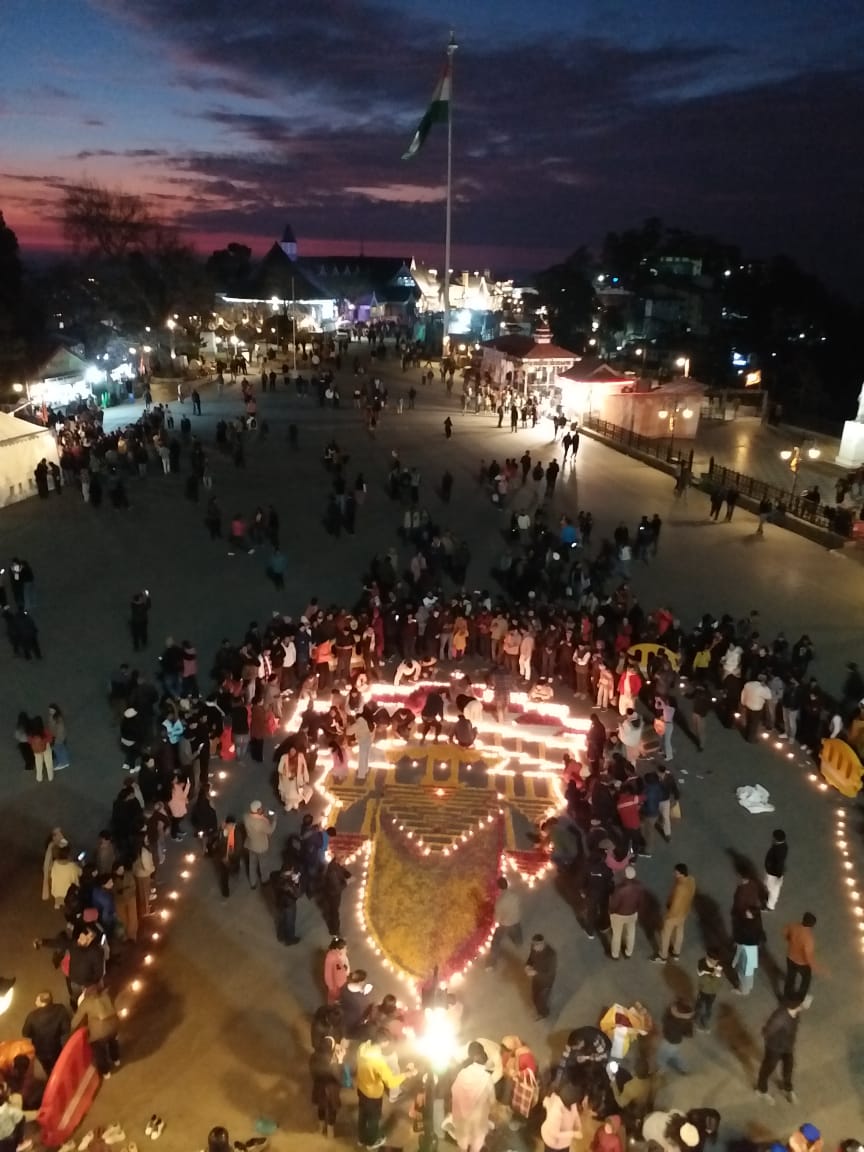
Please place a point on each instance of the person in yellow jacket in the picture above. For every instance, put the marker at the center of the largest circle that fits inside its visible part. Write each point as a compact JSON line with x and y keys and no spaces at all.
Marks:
{"x":678,"y":908}
{"x":374,"y":1075}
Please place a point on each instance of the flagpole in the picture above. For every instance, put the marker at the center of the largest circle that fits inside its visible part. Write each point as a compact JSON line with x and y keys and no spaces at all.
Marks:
{"x":445,"y":339}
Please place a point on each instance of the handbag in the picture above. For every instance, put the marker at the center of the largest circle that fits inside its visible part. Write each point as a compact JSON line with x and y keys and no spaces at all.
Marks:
{"x":526,"y":1093}
{"x":675,"y":810}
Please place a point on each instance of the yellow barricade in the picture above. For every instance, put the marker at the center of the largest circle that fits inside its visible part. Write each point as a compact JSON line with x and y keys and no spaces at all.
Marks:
{"x":839,"y":764}
{"x":641,"y":652}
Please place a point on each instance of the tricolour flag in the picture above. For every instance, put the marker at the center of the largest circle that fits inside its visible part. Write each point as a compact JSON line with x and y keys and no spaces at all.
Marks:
{"x":438,"y":112}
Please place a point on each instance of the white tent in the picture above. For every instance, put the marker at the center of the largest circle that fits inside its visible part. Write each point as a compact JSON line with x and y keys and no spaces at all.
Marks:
{"x":22,"y":446}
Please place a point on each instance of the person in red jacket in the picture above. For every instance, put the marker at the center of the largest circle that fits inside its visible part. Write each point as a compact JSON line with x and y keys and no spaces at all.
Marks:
{"x":608,"y":1137}
{"x":629,"y":804}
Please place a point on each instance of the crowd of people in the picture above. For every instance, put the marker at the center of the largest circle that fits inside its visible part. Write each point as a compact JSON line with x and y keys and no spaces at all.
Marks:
{"x":566,"y":621}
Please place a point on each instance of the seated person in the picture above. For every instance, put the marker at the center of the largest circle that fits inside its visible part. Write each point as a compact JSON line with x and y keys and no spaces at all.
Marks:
{"x":402,"y":721}
{"x":408,"y":670}
{"x":464,"y":733}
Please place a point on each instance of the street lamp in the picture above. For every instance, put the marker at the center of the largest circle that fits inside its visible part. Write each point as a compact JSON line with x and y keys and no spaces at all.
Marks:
{"x":672,"y":417}
{"x":171,"y":324}
{"x":7,"y":991}
{"x":793,"y":457}
{"x":684,"y":362}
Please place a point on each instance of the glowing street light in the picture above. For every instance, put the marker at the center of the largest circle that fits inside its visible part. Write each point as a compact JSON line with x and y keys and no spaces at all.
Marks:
{"x":793,"y":457}
{"x":7,"y":991}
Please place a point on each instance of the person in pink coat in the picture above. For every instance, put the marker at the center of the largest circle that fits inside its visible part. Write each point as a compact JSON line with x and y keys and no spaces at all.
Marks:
{"x":336,"y":969}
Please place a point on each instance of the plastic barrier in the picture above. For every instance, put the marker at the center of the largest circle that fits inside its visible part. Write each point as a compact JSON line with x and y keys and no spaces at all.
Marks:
{"x":69,"y":1092}
{"x":641,"y":654}
{"x":841,"y":767}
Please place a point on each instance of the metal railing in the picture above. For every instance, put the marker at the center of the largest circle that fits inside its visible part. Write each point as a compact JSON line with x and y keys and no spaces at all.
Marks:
{"x":784,"y":503}
{"x":665,"y":449}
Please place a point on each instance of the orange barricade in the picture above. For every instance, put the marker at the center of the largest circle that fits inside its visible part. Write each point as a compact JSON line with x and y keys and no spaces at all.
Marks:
{"x":841,"y":767}
{"x":69,"y":1092}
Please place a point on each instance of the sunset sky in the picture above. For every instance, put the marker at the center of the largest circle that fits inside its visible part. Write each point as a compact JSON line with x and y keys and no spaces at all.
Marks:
{"x":739,"y":118}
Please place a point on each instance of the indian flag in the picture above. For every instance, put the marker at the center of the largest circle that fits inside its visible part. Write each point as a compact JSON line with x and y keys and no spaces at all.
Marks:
{"x":438,"y":112}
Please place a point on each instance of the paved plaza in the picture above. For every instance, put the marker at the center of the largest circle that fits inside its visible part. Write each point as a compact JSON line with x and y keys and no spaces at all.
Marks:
{"x":218,"y":1033}
{"x":748,"y":446}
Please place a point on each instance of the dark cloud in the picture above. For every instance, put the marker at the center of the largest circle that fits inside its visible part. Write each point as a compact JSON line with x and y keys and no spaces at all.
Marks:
{"x":126,"y":153}
{"x":557,"y":139}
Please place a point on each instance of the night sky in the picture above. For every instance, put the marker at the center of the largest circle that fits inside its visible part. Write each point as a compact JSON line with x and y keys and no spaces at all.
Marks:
{"x":571,"y":117}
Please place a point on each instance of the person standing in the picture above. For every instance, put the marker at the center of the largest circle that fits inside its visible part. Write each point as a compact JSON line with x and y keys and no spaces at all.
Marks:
{"x":671,"y":797}
{"x":701,"y":707}
{"x":755,"y":696}
{"x":325,"y":1067}
{"x":47,"y":1027}
{"x":678,"y":908}
{"x":800,"y":948}
{"x":40,"y":742}
{"x":775,"y":868}
{"x":626,"y":900}
{"x":709,"y":973}
{"x":473,"y":1098}
{"x":336,"y":969}
{"x":780,"y":1033}
{"x":373,"y":1076}
{"x":541,"y":966}
{"x":333,"y":884}
{"x":258,"y":827}
{"x":287,"y":889}
{"x":57,"y":732}
{"x":228,"y":852}
{"x":362,"y":730}
{"x":562,"y":1124}
{"x":747,"y":932}
{"x":139,"y":613}
{"x":508,"y":921}
{"x":731,"y":498}
{"x":126,"y":901}
{"x":96,"y":1010}
{"x":675,"y":1028}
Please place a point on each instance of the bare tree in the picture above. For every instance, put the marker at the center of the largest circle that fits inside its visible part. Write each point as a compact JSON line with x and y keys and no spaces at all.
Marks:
{"x":108,"y":223}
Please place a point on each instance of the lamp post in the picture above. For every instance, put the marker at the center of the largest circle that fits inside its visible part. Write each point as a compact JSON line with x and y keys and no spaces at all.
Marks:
{"x":294,"y":324}
{"x":171,"y":324}
{"x":683,"y":362}
{"x":793,"y":457}
{"x":672,"y":417}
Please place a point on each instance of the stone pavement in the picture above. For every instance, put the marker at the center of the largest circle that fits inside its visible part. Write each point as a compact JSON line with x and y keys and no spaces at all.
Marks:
{"x":218,"y":1031}
{"x":746,"y":445}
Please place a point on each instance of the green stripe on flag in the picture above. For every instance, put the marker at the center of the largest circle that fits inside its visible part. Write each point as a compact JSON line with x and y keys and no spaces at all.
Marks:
{"x":438,"y":112}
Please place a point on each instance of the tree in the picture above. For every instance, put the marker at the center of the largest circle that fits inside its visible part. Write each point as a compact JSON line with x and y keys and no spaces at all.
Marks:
{"x":141,"y":270}
{"x":567,"y":293}
{"x":14,"y":328}
{"x":230,"y":268}
{"x":104,"y":223}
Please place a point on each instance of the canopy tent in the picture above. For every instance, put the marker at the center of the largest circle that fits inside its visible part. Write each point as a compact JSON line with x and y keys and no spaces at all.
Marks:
{"x":22,"y":446}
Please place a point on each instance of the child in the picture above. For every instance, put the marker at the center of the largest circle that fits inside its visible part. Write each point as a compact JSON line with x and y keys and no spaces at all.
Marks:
{"x":709,"y":972}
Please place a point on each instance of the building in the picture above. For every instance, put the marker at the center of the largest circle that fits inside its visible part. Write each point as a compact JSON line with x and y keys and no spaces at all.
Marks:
{"x":22,"y":446}
{"x":281,"y":287}
{"x":59,"y":378}
{"x":530,"y":363}
{"x":659,"y":412}
{"x":585,"y":388}
{"x":367,"y":287}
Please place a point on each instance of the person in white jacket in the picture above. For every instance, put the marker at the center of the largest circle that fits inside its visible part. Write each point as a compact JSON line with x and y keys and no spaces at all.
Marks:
{"x":562,"y":1124}
{"x":473,"y":1097}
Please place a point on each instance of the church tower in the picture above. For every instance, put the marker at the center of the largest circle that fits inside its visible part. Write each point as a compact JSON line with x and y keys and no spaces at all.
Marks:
{"x":289,"y":243}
